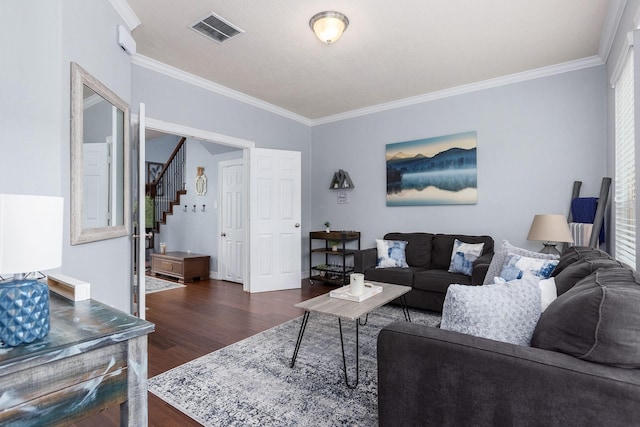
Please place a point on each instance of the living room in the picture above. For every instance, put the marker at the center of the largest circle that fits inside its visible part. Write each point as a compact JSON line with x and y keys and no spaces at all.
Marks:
{"x":538,"y":131}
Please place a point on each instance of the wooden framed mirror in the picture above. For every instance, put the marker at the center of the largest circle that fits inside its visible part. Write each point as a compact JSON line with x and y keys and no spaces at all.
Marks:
{"x":100,"y":200}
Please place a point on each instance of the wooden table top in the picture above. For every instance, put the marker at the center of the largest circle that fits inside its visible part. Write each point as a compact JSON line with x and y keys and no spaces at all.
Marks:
{"x":88,"y":324}
{"x":179,"y":255}
{"x":350,"y":309}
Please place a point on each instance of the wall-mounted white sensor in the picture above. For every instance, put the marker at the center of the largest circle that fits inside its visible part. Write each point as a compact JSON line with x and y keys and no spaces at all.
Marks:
{"x":126,"y":42}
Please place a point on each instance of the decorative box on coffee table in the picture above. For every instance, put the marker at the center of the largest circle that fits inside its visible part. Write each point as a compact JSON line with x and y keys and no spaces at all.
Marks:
{"x":184,"y":266}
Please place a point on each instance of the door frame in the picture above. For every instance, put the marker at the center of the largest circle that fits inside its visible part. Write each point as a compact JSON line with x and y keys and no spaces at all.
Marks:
{"x":245,"y":145}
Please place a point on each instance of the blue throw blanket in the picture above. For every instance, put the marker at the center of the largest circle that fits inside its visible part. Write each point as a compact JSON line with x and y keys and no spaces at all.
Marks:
{"x":583,"y":209}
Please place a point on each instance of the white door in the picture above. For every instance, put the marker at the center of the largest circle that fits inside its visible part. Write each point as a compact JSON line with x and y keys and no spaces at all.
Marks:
{"x":275,"y":209}
{"x":138,"y":302}
{"x":231,"y":220}
{"x":95,"y":167}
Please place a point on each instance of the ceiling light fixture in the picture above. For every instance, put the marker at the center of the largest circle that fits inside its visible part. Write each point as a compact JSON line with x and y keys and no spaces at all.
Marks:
{"x":329,"y":26}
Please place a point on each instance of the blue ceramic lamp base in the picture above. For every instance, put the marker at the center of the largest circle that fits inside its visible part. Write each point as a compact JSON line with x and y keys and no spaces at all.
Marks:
{"x":24,"y":312}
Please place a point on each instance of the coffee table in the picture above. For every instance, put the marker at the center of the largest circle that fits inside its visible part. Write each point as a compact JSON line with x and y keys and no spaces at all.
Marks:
{"x":345,"y":309}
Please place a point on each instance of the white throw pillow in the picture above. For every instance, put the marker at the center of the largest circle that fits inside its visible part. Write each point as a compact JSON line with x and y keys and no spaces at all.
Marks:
{"x":548,"y":292}
{"x":505,"y":312}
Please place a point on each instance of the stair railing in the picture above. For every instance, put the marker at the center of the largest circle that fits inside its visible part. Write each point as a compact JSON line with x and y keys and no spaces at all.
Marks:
{"x":170,"y":183}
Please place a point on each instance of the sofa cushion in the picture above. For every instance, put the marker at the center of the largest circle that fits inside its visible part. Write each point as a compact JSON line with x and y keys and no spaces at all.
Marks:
{"x":438,"y":280}
{"x":577,"y":253}
{"x":391,"y":253}
{"x":443,"y":246}
{"x":597,"y":320}
{"x":500,"y":256}
{"x":503,"y":312}
{"x":516,"y":266}
{"x":577,"y":271}
{"x":463,"y":256}
{"x":418,"y":250}
{"x":395,"y":275}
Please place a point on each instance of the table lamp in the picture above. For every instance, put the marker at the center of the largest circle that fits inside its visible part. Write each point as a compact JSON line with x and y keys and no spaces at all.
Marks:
{"x":550,"y":229}
{"x":30,"y":241}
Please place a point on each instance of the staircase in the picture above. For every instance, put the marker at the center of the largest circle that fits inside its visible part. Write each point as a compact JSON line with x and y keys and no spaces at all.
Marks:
{"x":169,"y":185}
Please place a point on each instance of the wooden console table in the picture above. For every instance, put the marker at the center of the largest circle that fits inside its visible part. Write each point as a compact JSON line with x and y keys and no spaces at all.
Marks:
{"x":183,"y":265}
{"x":94,"y":356}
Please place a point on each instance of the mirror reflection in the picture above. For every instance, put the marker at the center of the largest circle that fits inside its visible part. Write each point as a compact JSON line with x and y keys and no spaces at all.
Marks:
{"x":103,"y":173}
{"x":99,"y":160}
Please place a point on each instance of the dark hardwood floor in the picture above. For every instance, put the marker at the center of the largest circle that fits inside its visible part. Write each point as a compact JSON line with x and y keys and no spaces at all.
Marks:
{"x":201,"y":318}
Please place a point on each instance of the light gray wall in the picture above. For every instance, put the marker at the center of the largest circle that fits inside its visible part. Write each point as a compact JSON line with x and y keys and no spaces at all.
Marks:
{"x":159,"y":149}
{"x":31,"y":114}
{"x":89,"y":37}
{"x":181,"y":103}
{"x":197,"y":231}
{"x":39,"y":39}
{"x":534,"y":139}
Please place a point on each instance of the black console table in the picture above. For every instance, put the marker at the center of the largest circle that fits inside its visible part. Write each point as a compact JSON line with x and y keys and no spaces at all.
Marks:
{"x":335,"y":269}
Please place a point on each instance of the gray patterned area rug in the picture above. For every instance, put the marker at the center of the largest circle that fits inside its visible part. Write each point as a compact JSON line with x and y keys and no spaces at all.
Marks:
{"x":251,"y":383}
{"x":154,"y":284}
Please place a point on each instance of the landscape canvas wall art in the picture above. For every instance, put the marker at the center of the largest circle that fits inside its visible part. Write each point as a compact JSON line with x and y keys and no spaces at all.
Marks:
{"x":433,"y":171}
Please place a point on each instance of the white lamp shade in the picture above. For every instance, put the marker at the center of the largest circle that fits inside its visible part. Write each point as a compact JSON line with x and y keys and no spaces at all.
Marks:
{"x":550,"y":228}
{"x":30,"y":233}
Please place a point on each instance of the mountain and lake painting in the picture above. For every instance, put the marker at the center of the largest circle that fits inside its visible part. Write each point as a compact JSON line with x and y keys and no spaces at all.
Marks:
{"x":433,"y":171}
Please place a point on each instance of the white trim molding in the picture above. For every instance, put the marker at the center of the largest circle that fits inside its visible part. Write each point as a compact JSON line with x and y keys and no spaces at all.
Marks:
{"x":622,"y":59}
{"x":186,"y":77}
{"x":126,"y":13}
{"x":565,"y":67}
{"x":181,"y":75}
{"x":611,"y":24}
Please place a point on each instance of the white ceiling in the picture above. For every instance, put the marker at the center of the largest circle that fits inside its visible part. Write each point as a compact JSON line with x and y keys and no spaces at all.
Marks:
{"x":392,"y":50}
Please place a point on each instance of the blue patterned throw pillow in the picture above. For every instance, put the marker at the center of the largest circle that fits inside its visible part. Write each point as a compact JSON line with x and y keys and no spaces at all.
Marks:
{"x":391,"y":253}
{"x":517,"y":266}
{"x":463,"y":256}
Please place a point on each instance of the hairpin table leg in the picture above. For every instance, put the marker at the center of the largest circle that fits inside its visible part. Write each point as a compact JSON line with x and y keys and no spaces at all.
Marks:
{"x":405,"y":309}
{"x":344,"y":360}
{"x":303,"y":326}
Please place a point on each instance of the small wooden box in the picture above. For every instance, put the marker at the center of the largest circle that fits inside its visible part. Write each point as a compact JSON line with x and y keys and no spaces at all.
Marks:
{"x":182,"y":265}
{"x":68,"y":287}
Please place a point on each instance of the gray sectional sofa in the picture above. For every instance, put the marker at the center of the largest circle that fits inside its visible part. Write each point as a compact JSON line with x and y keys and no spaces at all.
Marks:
{"x":428,"y":256}
{"x":583,"y":366}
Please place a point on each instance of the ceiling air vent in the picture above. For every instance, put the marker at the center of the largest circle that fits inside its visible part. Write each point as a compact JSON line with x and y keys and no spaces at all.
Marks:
{"x":216,"y":28}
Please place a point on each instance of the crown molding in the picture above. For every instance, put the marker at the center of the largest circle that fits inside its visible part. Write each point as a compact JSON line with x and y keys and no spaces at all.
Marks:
{"x":537,"y":73}
{"x":181,"y":75}
{"x":126,"y":13}
{"x":611,"y":24}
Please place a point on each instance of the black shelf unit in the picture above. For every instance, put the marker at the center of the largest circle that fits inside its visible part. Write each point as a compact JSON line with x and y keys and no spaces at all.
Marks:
{"x":335,"y":269}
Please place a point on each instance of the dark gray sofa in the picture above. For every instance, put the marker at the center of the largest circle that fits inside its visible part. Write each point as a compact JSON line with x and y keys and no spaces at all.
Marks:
{"x":582,"y":368}
{"x":428,"y":256}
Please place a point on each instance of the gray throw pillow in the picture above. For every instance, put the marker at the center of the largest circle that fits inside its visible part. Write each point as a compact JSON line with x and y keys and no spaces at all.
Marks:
{"x":501,"y":254}
{"x":577,"y":271}
{"x":576,"y":254}
{"x":502,"y":312}
{"x":597,"y":320}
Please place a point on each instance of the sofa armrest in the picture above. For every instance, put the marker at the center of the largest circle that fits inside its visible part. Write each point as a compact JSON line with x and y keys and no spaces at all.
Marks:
{"x":365,"y":259}
{"x":480,"y":268}
{"x":431,"y":376}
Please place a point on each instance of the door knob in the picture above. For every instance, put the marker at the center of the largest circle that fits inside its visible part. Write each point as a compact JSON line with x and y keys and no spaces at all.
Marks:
{"x":223,"y":234}
{"x":297,"y":225}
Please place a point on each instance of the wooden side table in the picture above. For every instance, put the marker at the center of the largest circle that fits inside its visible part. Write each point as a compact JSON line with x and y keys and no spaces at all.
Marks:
{"x":182,"y":265}
{"x":94,"y":356}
